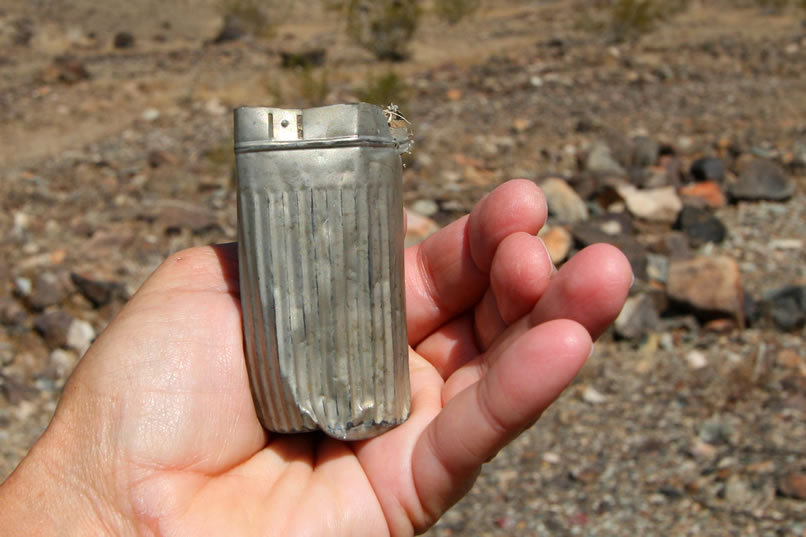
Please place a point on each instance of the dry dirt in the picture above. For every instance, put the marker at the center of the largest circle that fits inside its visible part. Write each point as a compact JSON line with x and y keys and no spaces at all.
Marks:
{"x":641,"y":443}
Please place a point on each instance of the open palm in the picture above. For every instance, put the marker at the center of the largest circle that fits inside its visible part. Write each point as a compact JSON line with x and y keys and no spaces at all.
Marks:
{"x":158,"y":426}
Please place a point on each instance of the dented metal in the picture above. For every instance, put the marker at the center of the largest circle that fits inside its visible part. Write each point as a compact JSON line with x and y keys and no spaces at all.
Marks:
{"x":320,"y":223}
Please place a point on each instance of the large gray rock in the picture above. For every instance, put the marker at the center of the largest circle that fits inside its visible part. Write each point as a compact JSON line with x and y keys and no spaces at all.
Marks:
{"x":762,"y":180}
{"x":601,"y":161}
{"x":708,"y":169}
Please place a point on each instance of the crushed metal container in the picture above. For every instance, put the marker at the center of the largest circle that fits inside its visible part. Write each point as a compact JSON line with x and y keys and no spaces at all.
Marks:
{"x":320,"y":248}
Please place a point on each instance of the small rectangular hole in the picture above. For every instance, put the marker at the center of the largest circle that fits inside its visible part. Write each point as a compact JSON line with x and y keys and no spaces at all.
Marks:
{"x":271,"y":126}
{"x":299,"y":126}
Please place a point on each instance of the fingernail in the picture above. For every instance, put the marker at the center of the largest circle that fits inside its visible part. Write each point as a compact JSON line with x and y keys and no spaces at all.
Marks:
{"x":548,"y":254}
{"x":593,"y":349}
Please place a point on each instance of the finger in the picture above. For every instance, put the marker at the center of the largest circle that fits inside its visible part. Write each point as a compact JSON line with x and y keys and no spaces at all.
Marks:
{"x":447,"y":273}
{"x":519,"y":275}
{"x":202,"y":269}
{"x":483,"y":418}
{"x":451,"y":346}
{"x":500,"y":214}
{"x":487,"y":320}
{"x":590,"y":289}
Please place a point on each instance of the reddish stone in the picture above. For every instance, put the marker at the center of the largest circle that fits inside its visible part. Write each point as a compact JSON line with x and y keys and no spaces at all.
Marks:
{"x":793,"y":486}
{"x":707,"y":192}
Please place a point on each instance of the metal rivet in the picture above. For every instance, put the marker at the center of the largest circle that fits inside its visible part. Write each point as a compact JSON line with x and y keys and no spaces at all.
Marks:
{"x":284,"y":123}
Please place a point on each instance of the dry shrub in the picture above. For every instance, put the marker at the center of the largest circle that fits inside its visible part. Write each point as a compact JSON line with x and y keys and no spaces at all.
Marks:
{"x":384,"y":27}
{"x":384,"y":89}
{"x":256,"y":17}
{"x":624,"y":20}
{"x":452,"y":11}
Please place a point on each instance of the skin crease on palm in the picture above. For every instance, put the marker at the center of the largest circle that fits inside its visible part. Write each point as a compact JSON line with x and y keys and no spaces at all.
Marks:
{"x":156,"y":432}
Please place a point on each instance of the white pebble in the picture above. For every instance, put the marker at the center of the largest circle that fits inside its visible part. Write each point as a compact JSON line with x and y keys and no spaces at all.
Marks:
{"x":696,"y":359}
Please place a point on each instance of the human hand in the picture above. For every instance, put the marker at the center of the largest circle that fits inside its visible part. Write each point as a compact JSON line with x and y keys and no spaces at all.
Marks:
{"x":156,"y":432}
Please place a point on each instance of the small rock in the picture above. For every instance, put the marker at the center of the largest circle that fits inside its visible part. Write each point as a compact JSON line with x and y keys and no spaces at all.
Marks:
{"x":214,"y":107}
{"x":637,"y":319}
{"x":790,"y":358}
{"x":63,"y":362}
{"x":653,"y":177}
{"x":739,"y":492}
{"x":701,"y":226}
{"x":655,"y":204}
{"x":123,"y":40}
{"x":99,"y":292}
{"x":12,"y":314}
{"x":48,"y":291}
{"x":159,"y":157}
{"x":65,"y":69}
{"x":708,"y":169}
{"x":53,"y":327}
{"x":793,"y":486}
{"x":601,"y":161}
{"x":674,"y":168}
{"x":707,"y":193}
{"x":786,"y":244}
{"x":702,"y":449}
{"x":621,"y":147}
{"x":174,"y":215}
{"x":563,"y":202}
{"x":425,"y":207}
{"x":613,"y":229}
{"x":232,"y":29}
{"x":80,"y":335}
{"x":592,"y":396}
{"x":558,"y":242}
{"x":786,"y":307}
{"x":708,"y":285}
{"x":14,"y":392}
{"x":645,"y":151}
{"x":762,"y":180}
{"x":418,"y":228}
{"x":150,"y":114}
{"x":715,"y":432}
{"x":666,"y":341}
{"x":696,"y":359}
{"x":761,"y":467}
{"x":505,"y":522}
{"x":23,"y":287}
{"x":657,"y":267}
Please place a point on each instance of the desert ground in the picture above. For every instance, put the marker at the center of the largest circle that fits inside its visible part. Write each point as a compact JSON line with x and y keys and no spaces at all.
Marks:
{"x":690,"y":417}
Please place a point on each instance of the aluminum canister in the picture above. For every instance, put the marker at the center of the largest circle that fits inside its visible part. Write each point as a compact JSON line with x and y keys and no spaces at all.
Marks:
{"x":320,"y":248}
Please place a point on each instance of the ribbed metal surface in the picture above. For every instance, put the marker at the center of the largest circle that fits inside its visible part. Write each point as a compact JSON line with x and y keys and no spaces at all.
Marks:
{"x":322,"y":291}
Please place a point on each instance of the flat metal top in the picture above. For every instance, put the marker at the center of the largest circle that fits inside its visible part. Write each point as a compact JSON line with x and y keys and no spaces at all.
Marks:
{"x":260,"y":128}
